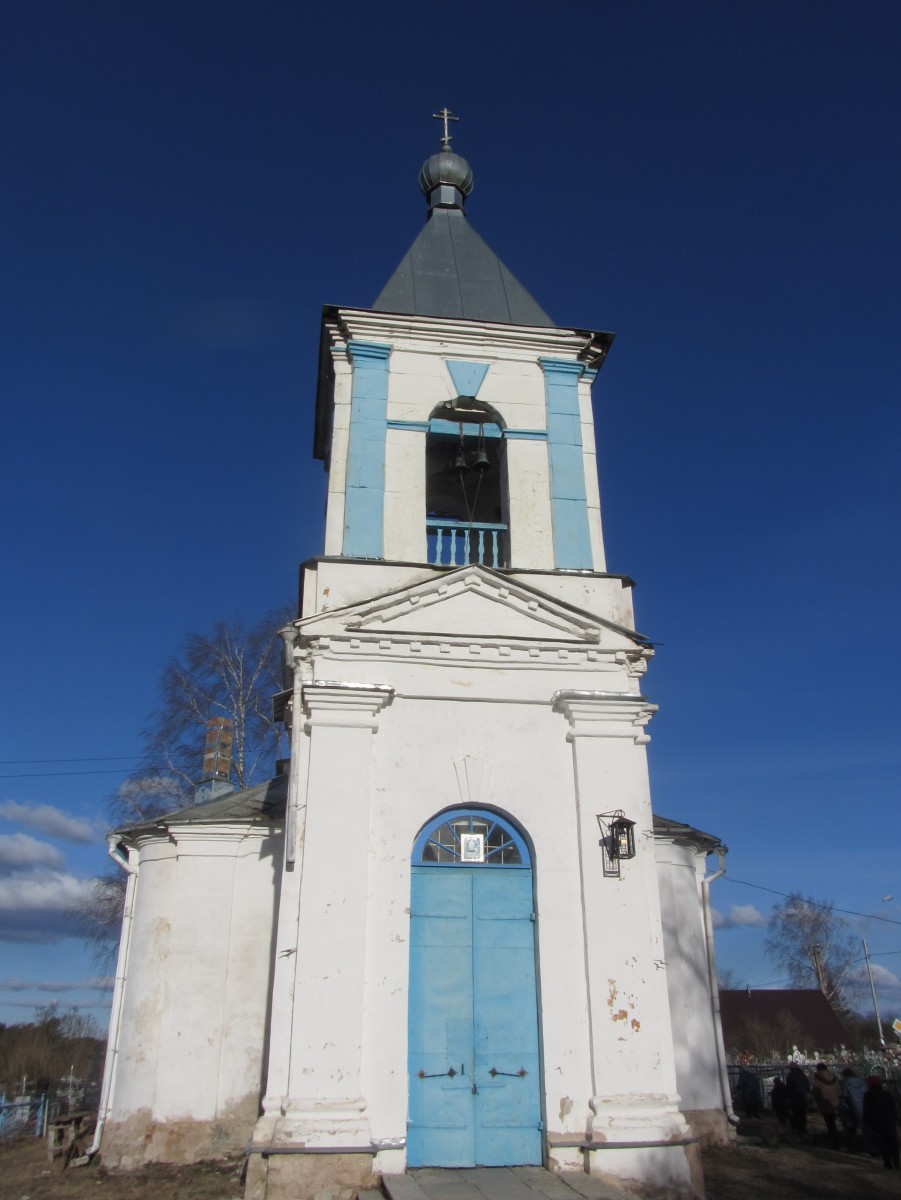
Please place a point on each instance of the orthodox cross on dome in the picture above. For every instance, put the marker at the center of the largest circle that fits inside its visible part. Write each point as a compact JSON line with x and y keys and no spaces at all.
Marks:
{"x":445,"y":115}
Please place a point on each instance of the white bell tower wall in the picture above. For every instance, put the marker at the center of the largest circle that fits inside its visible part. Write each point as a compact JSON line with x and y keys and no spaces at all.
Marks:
{"x":391,"y":374}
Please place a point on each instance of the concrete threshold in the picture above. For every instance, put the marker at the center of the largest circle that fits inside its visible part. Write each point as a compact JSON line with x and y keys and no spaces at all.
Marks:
{"x":496,"y":1183}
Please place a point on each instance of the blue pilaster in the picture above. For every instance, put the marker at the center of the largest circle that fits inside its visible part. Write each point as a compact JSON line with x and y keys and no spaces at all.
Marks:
{"x":569,"y":503}
{"x":364,"y":497}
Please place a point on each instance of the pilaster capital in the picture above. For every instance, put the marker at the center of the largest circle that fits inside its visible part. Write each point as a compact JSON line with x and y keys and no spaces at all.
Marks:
{"x":350,"y":705}
{"x":562,"y":367}
{"x":605,"y":714}
{"x":368,"y":352}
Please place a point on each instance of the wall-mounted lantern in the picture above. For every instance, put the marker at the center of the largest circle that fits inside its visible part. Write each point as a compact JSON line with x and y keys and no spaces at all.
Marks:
{"x":617,"y":840}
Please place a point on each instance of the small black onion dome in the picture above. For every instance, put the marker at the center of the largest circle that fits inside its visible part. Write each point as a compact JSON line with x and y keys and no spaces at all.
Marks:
{"x":441,"y":173}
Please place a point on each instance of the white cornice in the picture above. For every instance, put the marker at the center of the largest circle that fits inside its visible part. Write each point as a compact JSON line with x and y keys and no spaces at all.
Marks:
{"x":472,"y":651}
{"x":351,"y":705}
{"x":495,"y":610}
{"x":417,"y":333}
{"x":605,"y":714}
{"x":223,"y":837}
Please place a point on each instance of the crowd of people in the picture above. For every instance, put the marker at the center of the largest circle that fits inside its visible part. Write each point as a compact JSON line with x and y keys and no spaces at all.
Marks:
{"x":864,"y":1108}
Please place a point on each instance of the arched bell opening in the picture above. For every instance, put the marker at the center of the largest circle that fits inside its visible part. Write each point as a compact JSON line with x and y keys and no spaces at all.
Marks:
{"x":466,"y":485}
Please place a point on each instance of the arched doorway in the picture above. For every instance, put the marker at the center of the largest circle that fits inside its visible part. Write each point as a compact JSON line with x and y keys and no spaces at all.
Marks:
{"x":474,"y":1068}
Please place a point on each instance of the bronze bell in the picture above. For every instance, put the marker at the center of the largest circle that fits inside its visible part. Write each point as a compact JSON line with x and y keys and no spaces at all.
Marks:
{"x":460,"y":461}
{"x":481,"y":463}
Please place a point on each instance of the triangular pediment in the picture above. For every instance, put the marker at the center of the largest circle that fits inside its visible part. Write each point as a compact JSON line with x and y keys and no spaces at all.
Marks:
{"x":471,"y":603}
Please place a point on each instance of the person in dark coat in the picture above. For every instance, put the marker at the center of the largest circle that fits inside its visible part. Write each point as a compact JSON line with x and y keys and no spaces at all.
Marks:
{"x":747,"y":1093}
{"x":780,"y":1101}
{"x":826,"y":1094}
{"x":880,"y":1123}
{"x":850,"y":1107}
{"x":798,"y":1086}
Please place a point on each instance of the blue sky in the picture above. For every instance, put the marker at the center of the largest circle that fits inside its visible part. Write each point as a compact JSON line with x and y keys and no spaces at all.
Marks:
{"x":184,"y":185}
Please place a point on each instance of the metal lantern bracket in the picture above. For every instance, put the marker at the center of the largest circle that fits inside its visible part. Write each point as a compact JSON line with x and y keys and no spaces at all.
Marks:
{"x":617,"y":840}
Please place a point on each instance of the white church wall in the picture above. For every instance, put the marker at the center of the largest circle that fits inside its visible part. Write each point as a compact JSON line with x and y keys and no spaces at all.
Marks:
{"x":525,"y":751}
{"x":529,"y":505}
{"x":681,"y":867}
{"x":494,"y":704}
{"x":405,"y":505}
{"x":190,"y":1056}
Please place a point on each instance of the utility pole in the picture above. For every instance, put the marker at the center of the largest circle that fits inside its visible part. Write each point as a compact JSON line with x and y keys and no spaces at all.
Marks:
{"x":866,"y":955}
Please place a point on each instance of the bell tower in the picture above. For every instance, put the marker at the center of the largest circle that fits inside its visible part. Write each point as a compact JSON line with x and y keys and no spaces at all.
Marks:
{"x":454,"y":417}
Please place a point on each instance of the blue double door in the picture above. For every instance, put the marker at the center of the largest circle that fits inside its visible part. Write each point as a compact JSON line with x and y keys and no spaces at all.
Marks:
{"x":475,"y":1094}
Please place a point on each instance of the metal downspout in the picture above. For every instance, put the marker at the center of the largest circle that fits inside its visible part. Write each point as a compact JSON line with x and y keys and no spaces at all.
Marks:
{"x":115,"y":1023}
{"x":725,"y":1090}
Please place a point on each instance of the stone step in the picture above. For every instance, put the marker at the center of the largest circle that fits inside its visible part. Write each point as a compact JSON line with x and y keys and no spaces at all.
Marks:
{"x":403,"y":1187}
{"x":592,"y":1188}
{"x":494,"y":1183}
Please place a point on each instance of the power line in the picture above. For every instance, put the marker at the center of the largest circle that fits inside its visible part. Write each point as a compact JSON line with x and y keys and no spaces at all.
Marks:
{"x":18,"y":762}
{"x":59,"y":774}
{"x":849,"y":912}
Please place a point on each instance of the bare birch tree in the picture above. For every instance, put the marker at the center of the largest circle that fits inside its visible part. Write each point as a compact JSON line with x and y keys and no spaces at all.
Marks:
{"x":233,"y":671}
{"x":813,"y":945}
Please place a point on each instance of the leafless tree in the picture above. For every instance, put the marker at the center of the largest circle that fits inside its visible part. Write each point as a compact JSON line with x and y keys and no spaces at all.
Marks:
{"x":56,"y":1043}
{"x":813,"y":945}
{"x":766,"y":1041}
{"x":232,"y":671}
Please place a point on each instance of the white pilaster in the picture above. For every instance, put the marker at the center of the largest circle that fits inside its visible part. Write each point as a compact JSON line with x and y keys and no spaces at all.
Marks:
{"x":323,"y":1105}
{"x":633,"y":1073}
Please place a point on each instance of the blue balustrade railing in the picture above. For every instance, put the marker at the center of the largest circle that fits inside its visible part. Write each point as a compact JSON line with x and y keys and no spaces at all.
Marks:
{"x":459,"y":543}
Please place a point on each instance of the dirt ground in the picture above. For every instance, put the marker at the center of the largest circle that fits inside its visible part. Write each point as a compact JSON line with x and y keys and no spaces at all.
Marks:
{"x":25,"y":1174}
{"x":766,"y":1165}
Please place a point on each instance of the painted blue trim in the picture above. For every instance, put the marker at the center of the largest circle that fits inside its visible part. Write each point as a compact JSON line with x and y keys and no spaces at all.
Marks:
{"x":569,"y":502}
{"x":410,"y":426}
{"x":364,"y":493}
{"x":374,"y":350}
{"x":591,"y":374}
{"x":467,"y":377}
{"x":460,"y":523}
{"x":526,"y":435}
{"x":470,"y":428}
{"x":561,"y":366}
{"x":482,"y":814}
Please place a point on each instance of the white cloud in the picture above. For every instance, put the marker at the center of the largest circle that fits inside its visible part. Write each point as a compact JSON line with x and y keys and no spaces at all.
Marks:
{"x":740,"y":915}
{"x":883,"y":978}
{"x":101,"y":982}
{"x":42,"y":890}
{"x":46,"y":818}
{"x":20,"y":851}
{"x":38,"y":906}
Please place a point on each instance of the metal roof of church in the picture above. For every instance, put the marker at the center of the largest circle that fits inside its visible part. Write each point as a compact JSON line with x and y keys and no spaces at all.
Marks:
{"x":449,"y":271}
{"x":265,"y":801}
